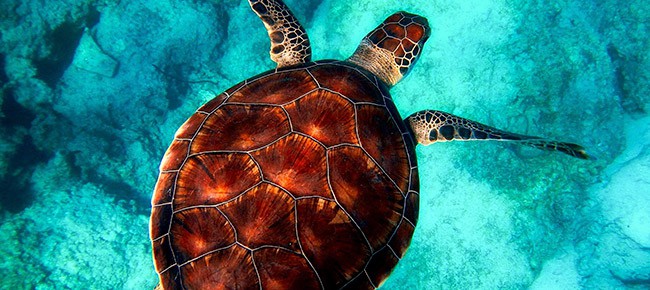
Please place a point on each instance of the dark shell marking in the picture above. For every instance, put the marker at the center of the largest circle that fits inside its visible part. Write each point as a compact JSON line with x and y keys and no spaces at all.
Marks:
{"x":304,"y":177}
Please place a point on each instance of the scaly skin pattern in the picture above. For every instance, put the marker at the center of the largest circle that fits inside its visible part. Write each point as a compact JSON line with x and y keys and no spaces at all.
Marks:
{"x":392,"y":48}
{"x":289,"y":41}
{"x":435,"y":126}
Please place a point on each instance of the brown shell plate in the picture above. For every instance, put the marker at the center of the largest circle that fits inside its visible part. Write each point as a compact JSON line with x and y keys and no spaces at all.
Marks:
{"x":303,"y":178}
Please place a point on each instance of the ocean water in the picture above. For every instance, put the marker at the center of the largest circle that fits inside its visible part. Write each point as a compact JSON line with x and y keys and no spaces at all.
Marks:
{"x":92,"y":92}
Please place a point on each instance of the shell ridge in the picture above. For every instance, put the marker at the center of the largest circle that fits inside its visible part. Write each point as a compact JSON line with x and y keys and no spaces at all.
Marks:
{"x":208,"y":253}
{"x":288,"y":118}
{"x":280,"y":187}
{"x":313,"y":77}
{"x":310,"y":137}
{"x":167,"y":269}
{"x":314,"y":197}
{"x":257,"y":272}
{"x":274,"y":247}
{"x":271,"y":143}
{"x":302,"y":251}
{"x":329,"y":182}
{"x":393,"y":251}
{"x":216,"y":205}
{"x":299,"y":98}
{"x":382,"y":170}
{"x":368,"y":276}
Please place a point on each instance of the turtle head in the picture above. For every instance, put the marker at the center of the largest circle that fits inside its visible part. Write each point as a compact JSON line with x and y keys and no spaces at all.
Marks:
{"x":391,"y":50}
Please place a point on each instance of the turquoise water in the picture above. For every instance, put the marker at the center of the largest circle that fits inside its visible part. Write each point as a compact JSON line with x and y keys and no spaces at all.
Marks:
{"x":92,"y":92}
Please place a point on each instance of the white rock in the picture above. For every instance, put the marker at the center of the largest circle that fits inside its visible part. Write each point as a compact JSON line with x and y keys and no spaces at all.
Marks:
{"x":626,"y":196}
{"x":558,"y":273}
{"x":90,"y":57}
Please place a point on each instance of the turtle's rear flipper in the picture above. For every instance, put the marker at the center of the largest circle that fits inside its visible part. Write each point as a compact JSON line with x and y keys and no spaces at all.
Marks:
{"x":289,"y":42}
{"x":436,"y":126}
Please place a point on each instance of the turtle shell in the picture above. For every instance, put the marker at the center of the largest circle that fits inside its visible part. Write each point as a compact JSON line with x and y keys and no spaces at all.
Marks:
{"x":297,"y":178}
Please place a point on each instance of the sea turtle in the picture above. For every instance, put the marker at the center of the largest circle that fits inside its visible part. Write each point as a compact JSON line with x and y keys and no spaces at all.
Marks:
{"x":305,"y":176}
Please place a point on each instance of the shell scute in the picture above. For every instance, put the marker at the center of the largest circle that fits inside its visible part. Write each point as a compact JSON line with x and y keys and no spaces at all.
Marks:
{"x":380,"y":265}
{"x":348,"y":82}
{"x":305,"y":175}
{"x":241,"y":128}
{"x":329,"y":238}
{"x":198,"y":231}
{"x":325,"y":116}
{"x":390,"y":150}
{"x":210,"y":179}
{"x":365,"y":193}
{"x":163,"y":215}
{"x":164,"y":189}
{"x":235,"y":269}
{"x":175,"y":155}
{"x":276,"y":89}
{"x":400,"y":241}
{"x":189,"y":128}
{"x":280,"y":269}
{"x":298,"y":164}
{"x":263,"y":216}
{"x":162,"y":249}
{"x":213,"y":104}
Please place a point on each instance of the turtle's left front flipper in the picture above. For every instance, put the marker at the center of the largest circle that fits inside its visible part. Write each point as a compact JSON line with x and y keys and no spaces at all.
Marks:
{"x":289,"y":41}
{"x":435,"y":126}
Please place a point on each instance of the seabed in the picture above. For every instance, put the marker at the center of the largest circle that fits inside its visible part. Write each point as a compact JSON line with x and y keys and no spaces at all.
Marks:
{"x":92,"y":92}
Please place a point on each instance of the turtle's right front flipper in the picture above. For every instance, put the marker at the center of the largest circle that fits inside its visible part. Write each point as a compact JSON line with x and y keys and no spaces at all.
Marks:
{"x":289,"y":41}
{"x":435,"y":126}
